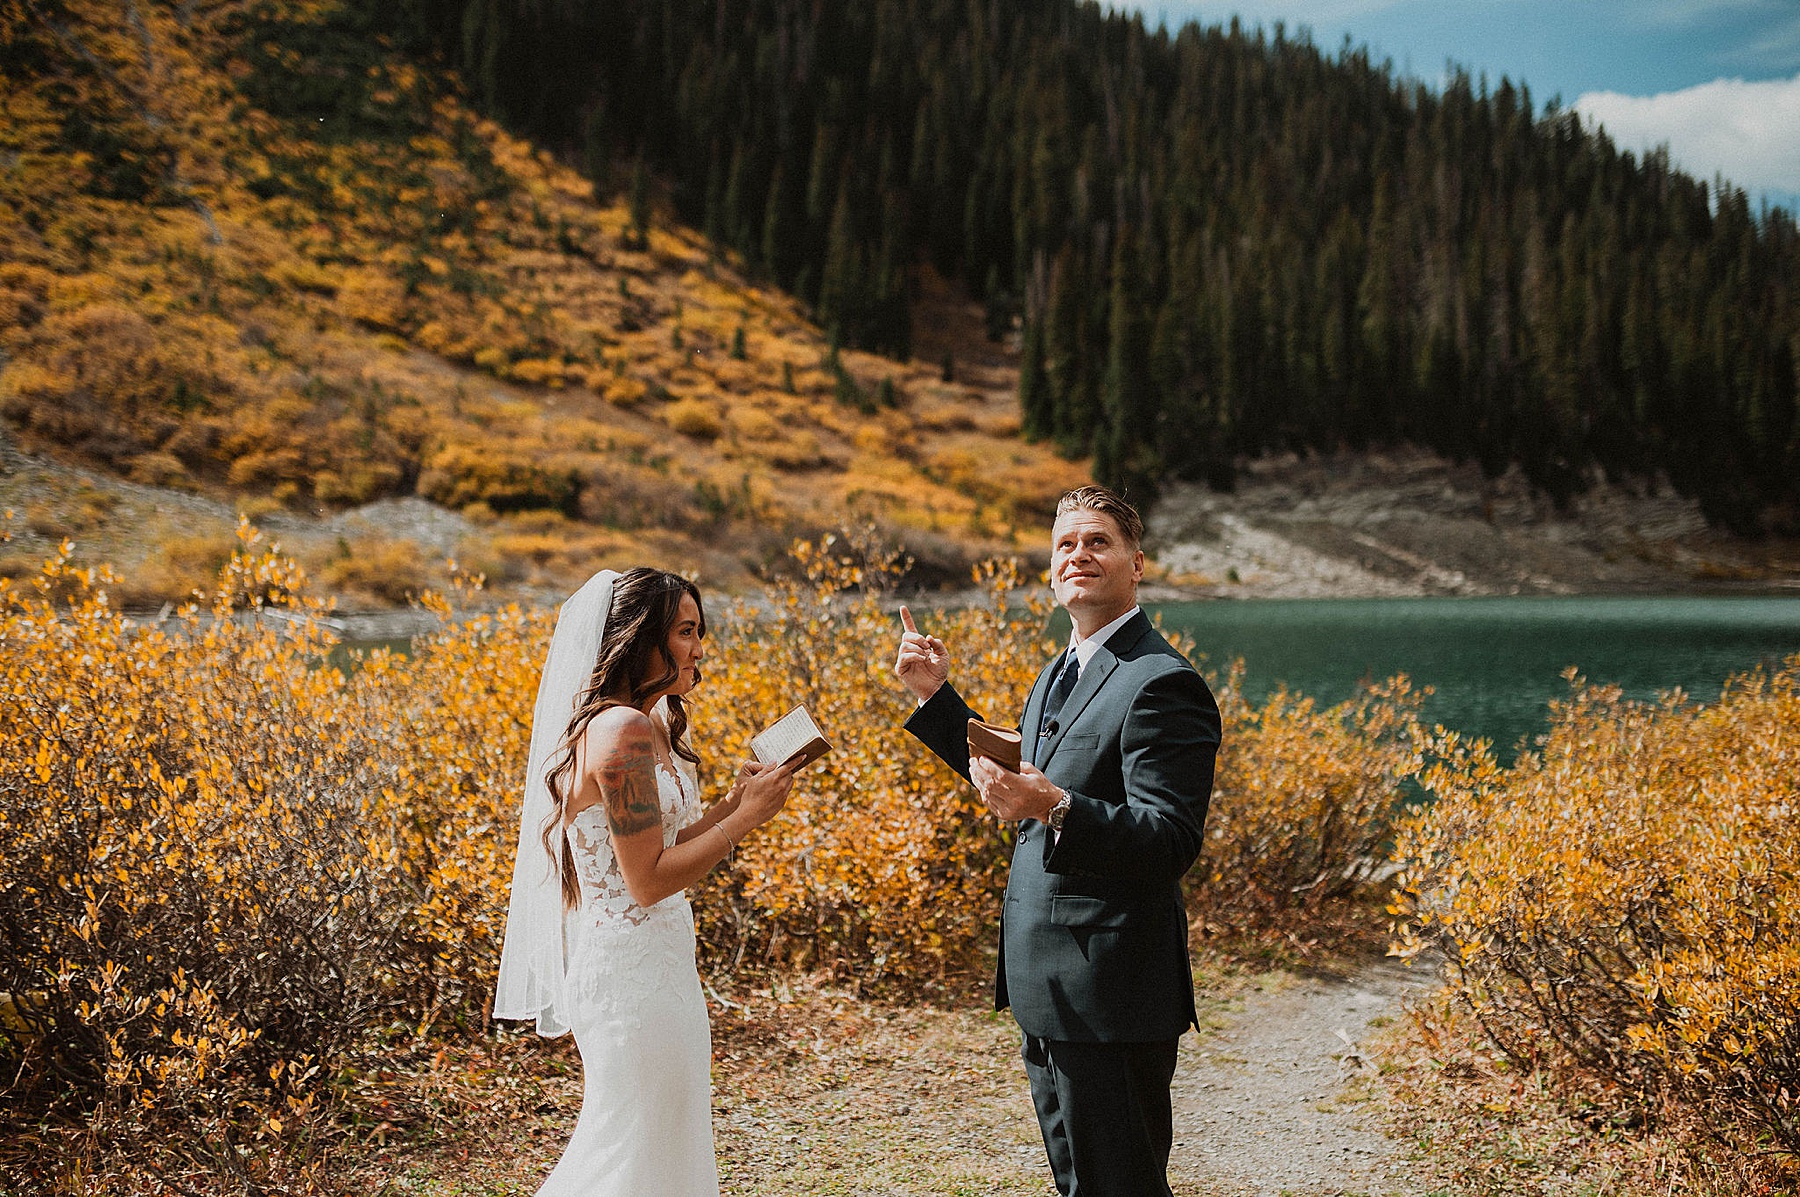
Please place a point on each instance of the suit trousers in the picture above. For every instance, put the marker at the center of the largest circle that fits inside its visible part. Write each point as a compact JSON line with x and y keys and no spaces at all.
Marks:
{"x":1105,"y":1113}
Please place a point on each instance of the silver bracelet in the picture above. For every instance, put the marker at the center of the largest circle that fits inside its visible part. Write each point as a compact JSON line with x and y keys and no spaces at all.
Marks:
{"x":730,"y":844}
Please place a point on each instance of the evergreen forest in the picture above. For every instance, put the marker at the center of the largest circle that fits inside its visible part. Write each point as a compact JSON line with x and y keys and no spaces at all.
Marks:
{"x":1214,"y":241}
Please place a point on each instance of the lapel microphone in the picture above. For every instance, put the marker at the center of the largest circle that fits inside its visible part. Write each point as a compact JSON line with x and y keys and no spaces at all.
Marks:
{"x":1049,"y":730}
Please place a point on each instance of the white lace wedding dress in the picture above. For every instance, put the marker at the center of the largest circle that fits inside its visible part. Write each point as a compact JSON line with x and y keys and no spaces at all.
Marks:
{"x":633,"y":1000}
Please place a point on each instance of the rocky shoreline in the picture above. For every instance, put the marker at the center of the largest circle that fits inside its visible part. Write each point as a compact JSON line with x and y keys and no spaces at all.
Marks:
{"x":1371,"y":525}
{"x":1411,"y":524}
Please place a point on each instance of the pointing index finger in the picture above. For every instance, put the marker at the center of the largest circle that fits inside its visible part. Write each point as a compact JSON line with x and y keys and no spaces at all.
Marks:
{"x":906,"y":619}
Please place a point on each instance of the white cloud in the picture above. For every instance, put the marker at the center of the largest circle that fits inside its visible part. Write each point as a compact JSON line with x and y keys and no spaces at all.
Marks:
{"x":1749,"y":132}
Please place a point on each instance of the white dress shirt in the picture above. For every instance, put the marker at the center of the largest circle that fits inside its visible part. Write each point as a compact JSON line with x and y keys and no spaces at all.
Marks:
{"x":1085,"y":649}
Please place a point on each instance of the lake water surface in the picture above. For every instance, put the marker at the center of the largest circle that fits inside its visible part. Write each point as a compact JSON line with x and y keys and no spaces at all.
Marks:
{"x":1494,"y":662}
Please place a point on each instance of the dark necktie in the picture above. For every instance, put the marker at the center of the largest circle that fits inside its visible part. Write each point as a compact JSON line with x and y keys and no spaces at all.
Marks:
{"x":1060,"y":689}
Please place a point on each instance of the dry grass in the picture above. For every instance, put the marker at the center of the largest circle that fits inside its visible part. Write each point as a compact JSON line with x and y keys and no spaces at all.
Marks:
{"x":816,"y":1092}
{"x":819,"y":1092}
{"x":826,"y":1095}
{"x":1480,"y":1128}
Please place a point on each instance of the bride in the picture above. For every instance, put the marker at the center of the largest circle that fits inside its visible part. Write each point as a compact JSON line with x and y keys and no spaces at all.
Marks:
{"x":599,"y":935}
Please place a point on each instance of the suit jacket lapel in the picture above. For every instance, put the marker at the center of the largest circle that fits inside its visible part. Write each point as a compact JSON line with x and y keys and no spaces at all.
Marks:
{"x":1093,"y":677}
{"x":1034,"y":710}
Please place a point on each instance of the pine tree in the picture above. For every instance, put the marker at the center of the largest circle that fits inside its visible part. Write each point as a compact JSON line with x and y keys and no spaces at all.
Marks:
{"x":840,"y":286}
{"x":1326,"y":252}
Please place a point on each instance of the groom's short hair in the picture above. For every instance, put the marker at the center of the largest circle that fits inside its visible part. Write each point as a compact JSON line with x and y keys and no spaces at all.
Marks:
{"x":1100,"y":499}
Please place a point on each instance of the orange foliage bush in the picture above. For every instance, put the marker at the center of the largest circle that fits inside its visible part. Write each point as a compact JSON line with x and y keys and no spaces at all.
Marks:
{"x":227,"y":864}
{"x":884,"y":865}
{"x":1306,"y":802}
{"x":203,"y":891}
{"x":463,"y":474}
{"x":1624,"y":903}
{"x":393,"y":570}
{"x":695,"y":418}
{"x":461,"y":709}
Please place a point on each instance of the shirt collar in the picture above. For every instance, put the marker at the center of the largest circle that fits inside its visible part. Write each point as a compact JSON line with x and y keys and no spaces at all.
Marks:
{"x":1085,"y":649}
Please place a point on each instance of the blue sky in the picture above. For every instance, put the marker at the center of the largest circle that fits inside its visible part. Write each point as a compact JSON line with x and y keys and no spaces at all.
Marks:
{"x":1718,"y":81}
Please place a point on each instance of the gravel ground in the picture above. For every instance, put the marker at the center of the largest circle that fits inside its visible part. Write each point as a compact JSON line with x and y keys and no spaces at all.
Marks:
{"x":1268,"y":1104}
{"x":816,"y":1099}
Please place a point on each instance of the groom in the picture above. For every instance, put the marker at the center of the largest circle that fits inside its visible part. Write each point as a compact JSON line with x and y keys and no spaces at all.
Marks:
{"x":1119,"y":738}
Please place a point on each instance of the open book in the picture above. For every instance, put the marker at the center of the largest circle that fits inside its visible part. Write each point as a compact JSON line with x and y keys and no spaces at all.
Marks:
{"x":999,"y":744}
{"x":793,"y":735}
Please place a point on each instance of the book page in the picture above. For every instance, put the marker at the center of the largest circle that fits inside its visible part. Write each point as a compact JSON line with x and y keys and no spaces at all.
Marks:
{"x":786,"y":736}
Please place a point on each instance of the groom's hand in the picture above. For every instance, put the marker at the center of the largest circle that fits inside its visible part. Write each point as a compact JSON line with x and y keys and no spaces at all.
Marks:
{"x":923,"y":663}
{"x":1027,"y":794}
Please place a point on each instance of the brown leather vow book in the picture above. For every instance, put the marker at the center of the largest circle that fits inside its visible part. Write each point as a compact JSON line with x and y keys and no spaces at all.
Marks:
{"x":999,"y":744}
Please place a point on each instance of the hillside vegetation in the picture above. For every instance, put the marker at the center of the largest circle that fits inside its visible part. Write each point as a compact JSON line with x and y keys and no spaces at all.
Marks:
{"x":254,"y":252}
{"x":1222,"y":242}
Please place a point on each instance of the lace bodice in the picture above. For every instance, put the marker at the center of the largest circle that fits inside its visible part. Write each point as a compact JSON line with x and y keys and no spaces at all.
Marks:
{"x":604,"y":896}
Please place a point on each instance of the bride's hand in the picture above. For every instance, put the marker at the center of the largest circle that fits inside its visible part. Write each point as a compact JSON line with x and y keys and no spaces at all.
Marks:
{"x":762,"y":790}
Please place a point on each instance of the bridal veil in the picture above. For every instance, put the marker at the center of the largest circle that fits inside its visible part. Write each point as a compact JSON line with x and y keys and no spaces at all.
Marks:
{"x":534,"y":959}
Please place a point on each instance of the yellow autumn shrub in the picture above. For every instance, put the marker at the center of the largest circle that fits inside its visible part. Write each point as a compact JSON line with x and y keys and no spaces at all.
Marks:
{"x":1305,"y":802}
{"x":884,"y":865}
{"x":1624,"y":903}
{"x":461,"y":474}
{"x":458,"y":713}
{"x":694,"y":417}
{"x":392,"y":570}
{"x":228,"y":863}
{"x":202,"y":892}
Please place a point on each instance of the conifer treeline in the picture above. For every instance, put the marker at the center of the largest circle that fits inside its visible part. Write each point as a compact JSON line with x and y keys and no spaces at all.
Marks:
{"x":1220,"y":242}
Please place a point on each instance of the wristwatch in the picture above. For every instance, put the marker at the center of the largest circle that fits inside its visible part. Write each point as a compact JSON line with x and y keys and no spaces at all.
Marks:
{"x":1055,"y":817}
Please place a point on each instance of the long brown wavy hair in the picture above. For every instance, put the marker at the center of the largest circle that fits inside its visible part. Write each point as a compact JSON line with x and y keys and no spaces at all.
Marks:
{"x":634,"y":662}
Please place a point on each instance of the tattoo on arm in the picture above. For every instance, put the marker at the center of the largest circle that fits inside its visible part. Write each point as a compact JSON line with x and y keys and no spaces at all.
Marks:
{"x":628,"y":784}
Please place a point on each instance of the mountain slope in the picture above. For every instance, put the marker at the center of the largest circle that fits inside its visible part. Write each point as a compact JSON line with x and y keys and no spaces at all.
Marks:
{"x":252,"y":252}
{"x":1222,"y":243}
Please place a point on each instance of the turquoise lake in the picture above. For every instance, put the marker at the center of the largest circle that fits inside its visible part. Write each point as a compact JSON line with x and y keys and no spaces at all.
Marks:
{"x":1494,"y":663}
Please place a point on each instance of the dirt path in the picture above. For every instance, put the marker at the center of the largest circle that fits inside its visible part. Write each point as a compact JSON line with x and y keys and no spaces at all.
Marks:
{"x":1264,"y":1105}
{"x":823,"y":1097}
{"x":820,"y":1094}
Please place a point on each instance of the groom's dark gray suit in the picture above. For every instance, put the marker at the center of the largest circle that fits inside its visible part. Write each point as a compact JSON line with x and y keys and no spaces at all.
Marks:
{"x":1093,"y":936}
